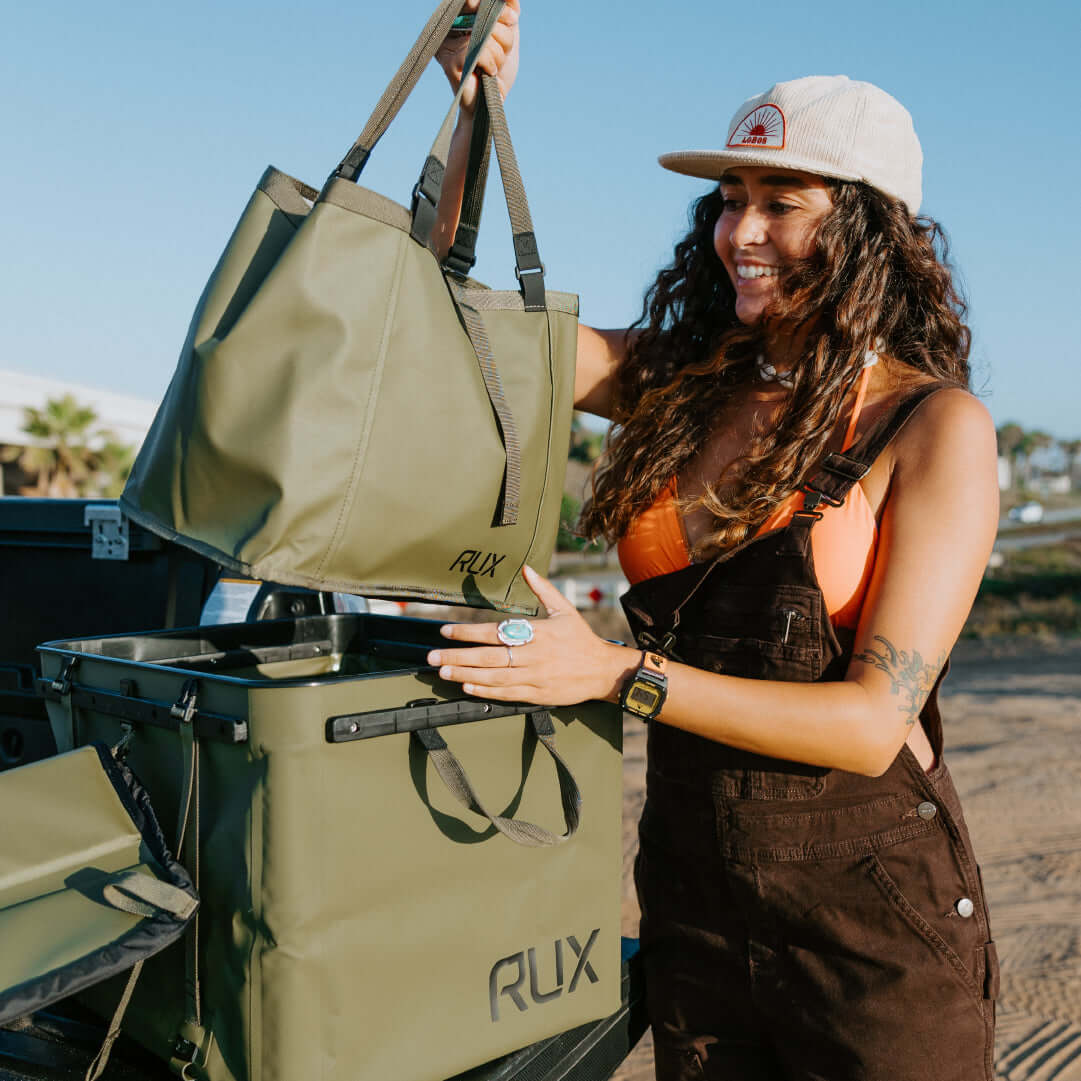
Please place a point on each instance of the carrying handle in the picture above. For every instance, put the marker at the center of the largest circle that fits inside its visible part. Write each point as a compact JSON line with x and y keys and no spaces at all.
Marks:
{"x":426,"y":194}
{"x":462,"y":255}
{"x":429,"y":188}
{"x":401,"y":86}
{"x":521,"y":832}
{"x":427,"y":191}
{"x":408,"y":75}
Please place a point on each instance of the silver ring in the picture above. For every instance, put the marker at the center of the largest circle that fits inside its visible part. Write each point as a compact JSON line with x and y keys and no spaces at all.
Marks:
{"x":510,"y":657}
{"x":515,"y":632}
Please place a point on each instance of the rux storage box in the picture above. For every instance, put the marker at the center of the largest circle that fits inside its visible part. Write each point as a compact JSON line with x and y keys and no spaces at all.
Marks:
{"x":357,"y":921}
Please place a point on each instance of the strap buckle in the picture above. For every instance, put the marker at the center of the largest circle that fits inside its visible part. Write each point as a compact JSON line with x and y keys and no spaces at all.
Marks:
{"x":531,"y":283}
{"x":814,"y":496}
{"x":459,"y":261}
{"x":418,"y":191}
{"x":662,"y":645}
{"x":352,"y":164}
{"x":528,"y":270}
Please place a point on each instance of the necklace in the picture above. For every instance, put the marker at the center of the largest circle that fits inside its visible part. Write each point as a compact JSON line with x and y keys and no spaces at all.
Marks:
{"x":769,"y":374}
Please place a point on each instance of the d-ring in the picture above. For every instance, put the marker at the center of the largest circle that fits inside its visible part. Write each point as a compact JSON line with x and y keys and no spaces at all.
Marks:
{"x":510,"y":657}
{"x":515,"y":632}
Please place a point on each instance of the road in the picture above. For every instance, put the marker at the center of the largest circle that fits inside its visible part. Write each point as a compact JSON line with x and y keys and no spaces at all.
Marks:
{"x":1050,"y":517}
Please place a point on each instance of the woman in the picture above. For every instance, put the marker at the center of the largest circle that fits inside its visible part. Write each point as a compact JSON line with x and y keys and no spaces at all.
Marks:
{"x":804,"y":494}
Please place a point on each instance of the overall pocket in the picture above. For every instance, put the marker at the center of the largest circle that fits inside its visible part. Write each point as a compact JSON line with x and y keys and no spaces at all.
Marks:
{"x":926,"y":922}
{"x":774,"y":637}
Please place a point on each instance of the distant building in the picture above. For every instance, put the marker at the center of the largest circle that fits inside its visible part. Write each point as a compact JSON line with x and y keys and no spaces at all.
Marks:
{"x":127,"y":416}
{"x":1005,"y":473}
{"x":1058,"y":484}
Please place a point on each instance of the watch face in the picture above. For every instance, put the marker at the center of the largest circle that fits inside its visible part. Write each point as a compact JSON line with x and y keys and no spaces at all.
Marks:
{"x":643,"y":697}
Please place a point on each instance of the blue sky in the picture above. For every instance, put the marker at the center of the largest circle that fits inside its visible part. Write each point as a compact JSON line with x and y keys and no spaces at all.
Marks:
{"x":133,"y":134}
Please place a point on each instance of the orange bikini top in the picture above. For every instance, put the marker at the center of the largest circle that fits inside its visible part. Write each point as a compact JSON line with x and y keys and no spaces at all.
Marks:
{"x":843,"y":542}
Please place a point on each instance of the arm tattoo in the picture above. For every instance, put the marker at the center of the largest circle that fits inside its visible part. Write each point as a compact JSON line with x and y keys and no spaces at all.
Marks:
{"x":911,"y":676}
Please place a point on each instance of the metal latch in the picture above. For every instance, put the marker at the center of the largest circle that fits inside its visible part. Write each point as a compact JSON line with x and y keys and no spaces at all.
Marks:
{"x":109,"y":531}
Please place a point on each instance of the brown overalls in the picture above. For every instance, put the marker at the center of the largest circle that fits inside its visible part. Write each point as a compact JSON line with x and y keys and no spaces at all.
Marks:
{"x":798,"y":922}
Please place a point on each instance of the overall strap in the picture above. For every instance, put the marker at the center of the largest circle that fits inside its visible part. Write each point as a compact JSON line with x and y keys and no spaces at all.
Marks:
{"x":840,"y":471}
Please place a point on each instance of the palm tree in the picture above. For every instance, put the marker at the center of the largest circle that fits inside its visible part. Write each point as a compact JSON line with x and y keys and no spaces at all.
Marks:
{"x":61,"y":453}
{"x":116,"y":460}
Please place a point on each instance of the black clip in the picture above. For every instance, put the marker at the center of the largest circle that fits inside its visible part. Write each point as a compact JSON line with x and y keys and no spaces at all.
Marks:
{"x":62,"y":684}
{"x":814,"y":496}
{"x":459,"y":261}
{"x":184,"y":1050}
{"x":658,"y":645}
{"x":186,"y":706}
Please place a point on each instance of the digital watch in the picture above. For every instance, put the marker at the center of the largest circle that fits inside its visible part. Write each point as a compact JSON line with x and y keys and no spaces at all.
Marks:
{"x":644,"y":693}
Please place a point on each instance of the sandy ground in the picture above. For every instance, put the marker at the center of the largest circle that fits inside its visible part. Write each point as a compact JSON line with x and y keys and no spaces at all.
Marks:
{"x":1012,"y":715}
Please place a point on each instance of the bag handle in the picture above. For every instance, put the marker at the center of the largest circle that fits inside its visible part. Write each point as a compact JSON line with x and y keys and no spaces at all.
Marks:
{"x":408,"y":75}
{"x":521,"y":832}
{"x":426,"y":193}
{"x":399,"y":89}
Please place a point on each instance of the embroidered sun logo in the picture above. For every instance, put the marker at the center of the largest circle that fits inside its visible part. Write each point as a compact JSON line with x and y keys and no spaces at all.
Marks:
{"x":761,"y":127}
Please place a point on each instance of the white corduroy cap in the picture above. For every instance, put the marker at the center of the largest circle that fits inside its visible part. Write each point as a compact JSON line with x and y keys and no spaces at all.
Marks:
{"x":830,"y":125}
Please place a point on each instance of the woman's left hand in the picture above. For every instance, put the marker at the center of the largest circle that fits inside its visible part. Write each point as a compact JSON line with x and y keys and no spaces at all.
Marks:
{"x":565,"y":663}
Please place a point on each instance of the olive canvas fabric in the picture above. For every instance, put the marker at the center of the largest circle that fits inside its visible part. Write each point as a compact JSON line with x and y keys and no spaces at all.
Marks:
{"x":88,"y":887}
{"x":357,"y":920}
{"x":349,"y":414}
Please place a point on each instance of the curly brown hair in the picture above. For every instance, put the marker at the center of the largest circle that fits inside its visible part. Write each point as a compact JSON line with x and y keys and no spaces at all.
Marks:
{"x":876,"y":277}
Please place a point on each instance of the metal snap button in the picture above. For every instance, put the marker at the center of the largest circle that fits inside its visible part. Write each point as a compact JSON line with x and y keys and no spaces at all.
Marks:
{"x":927,"y":810}
{"x":965,"y":907}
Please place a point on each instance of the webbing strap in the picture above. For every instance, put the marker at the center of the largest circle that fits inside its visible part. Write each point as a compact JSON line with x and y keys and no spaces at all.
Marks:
{"x":839,"y":472}
{"x":97,"y":1067}
{"x":400,"y":87}
{"x":429,"y":188}
{"x":523,"y":833}
{"x":144,"y":895}
{"x":191,"y":968}
{"x":185,"y":710}
{"x":487,"y":17}
{"x":462,"y":255}
{"x":528,"y":265}
{"x":507,"y":512}
{"x":187,"y":784}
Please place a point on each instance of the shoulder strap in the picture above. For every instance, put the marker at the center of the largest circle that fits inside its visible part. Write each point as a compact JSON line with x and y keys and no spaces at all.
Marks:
{"x":840,"y":471}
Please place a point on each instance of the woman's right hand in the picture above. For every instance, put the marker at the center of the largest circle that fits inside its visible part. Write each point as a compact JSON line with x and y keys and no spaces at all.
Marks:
{"x":499,"y":57}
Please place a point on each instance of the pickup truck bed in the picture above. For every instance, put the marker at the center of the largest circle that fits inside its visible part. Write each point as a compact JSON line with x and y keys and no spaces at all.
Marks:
{"x":74,"y":567}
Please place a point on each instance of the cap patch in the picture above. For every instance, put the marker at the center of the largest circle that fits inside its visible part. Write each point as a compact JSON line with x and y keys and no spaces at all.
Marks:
{"x":762,"y":127}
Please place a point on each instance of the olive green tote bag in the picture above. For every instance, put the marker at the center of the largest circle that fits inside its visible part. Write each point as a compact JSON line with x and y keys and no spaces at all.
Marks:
{"x":348,"y":413}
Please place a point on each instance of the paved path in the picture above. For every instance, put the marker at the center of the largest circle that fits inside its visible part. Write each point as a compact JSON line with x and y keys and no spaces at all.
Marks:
{"x":1013,"y":741}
